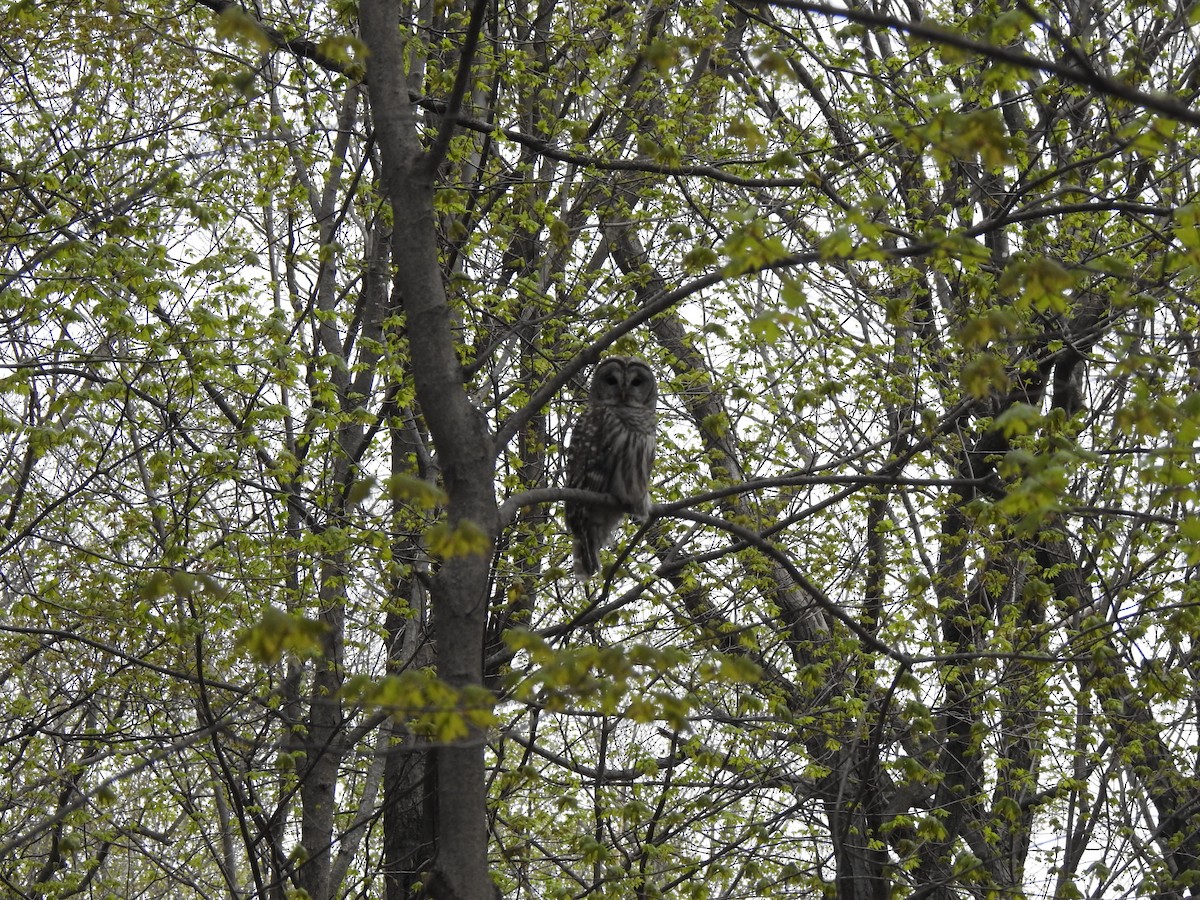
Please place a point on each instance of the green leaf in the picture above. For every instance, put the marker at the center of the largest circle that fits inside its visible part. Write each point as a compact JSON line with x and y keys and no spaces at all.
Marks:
{"x":736,"y":669}
{"x":766,"y":327}
{"x":838,"y":244}
{"x":1189,"y":530}
{"x":408,"y":488}
{"x":359,"y":491}
{"x":1046,"y":283}
{"x":771,"y":61}
{"x":700,"y":258}
{"x":983,"y":374}
{"x":642,"y":711}
{"x":662,"y":55}
{"x":279,"y":632}
{"x":348,"y":50}
{"x":749,"y":248}
{"x":1018,"y":419}
{"x":234,"y":23}
{"x":747,"y":132}
{"x":463,"y":538}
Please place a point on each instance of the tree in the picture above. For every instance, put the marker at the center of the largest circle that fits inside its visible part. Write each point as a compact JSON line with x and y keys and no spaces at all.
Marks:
{"x":298,"y":304}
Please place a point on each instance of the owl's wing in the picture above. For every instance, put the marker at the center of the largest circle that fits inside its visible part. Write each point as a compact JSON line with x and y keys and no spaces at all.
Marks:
{"x":589,"y":455}
{"x":590,"y":468}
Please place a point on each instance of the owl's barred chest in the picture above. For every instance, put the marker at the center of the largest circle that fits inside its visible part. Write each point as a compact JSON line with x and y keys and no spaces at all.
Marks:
{"x":637,"y":418}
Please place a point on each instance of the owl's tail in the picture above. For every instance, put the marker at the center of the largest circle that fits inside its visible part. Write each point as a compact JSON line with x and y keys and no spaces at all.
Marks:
{"x":585,"y":553}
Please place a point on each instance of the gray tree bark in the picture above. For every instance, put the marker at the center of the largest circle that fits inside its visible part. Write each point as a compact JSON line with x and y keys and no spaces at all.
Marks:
{"x":462,"y":443}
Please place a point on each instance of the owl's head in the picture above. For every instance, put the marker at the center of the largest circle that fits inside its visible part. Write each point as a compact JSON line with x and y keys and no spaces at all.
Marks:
{"x":623,"y":381}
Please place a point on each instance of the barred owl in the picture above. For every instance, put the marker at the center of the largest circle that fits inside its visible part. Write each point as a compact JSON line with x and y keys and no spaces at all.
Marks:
{"x":611,"y":452}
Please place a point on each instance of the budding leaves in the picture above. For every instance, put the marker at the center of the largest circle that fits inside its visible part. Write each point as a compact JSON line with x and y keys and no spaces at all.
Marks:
{"x":984,"y":374}
{"x":447,"y":540}
{"x":618,"y":680}
{"x":750,"y":246}
{"x":1189,"y":530}
{"x":235,"y":24}
{"x":425,"y":704}
{"x":279,"y":632}
{"x":444,"y":539}
{"x":404,"y":488}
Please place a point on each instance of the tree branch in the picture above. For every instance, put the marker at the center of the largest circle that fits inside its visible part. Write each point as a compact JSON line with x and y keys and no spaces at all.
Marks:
{"x":939,"y":34}
{"x":509,"y":508}
{"x":441,"y":143}
{"x":301,"y":47}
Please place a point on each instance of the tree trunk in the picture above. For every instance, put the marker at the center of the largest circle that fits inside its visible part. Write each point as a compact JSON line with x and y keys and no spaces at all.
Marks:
{"x":464,"y":450}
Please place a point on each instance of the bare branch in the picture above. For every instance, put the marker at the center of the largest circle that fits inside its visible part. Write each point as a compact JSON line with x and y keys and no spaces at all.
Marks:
{"x":938,"y":34}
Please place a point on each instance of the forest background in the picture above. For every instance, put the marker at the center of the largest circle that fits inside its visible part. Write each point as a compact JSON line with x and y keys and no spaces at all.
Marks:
{"x":298,"y":301}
